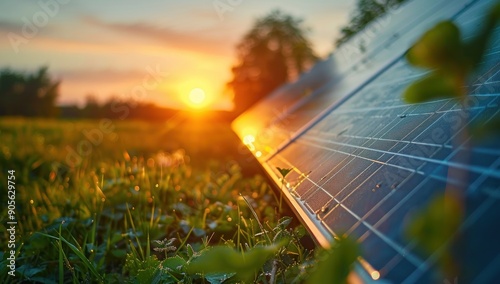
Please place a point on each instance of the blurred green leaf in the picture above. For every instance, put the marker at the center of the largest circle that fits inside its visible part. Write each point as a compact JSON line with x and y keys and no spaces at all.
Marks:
{"x":150,"y":275}
{"x":337,"y":264}
{"x":435,"y":226}
{"x":217,"y":278}
{"x":431,"y":87}
{"x":119,"y":253}
{"x":29,"y":271}
{"x":224,"y":259}
{"x":175,"y":264}
{"x":439,"y":47}
{"x":451,"y":59}
{"x":484,"y":129}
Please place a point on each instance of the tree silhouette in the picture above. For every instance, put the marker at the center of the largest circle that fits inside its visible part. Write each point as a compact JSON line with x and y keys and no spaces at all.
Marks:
{"x":366,"y":12}
{"x":28,"y":95}
{"x":273,"y":52}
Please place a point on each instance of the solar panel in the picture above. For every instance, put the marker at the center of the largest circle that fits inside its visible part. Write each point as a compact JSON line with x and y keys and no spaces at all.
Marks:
{"x":363,"y":160}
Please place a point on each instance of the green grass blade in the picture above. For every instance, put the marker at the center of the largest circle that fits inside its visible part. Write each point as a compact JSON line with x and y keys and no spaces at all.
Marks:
{"x":78,"y":253}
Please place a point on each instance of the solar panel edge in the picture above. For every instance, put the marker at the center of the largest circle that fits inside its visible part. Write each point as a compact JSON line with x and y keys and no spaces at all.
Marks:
{"x":362,"y":271}
{"x":299,"y":206}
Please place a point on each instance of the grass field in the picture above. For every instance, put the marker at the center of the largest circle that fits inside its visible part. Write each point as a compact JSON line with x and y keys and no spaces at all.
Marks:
{"x":107,"y":201}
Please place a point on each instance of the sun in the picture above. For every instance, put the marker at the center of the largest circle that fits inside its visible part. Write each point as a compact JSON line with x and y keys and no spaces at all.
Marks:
{"x":197,"y":97}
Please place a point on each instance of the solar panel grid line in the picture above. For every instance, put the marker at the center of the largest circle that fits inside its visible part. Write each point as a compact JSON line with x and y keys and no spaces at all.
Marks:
{"x":408,"y":255}
{"x":488,"y":274}
{"x":439,"y":162}
{"x":395,"y":246}
{"x":295,"y":169}
{"x":387,"y":34}
{"x":393,"y":186}
{"x":489,"y":151}
{"x":405,"y":168}
{"x":472,"y":218}
{"x":318,"y":117}
{"x":322,"y":236}
{"x":324,"y":113}
{"x":406,"y":197}
{"x":325,"y":88}
{"x":433,"y":257}
{"x":400,"y":248}
{"x":475,"y":185}
{"x":419,"y":189}
{"x":366,"y":185}
{"x":361,"y":157}
{"x":311,"y":190}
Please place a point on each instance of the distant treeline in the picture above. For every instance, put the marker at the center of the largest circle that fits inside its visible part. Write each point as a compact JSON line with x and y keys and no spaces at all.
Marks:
{"x":28,"y":94}
{"x":35,"y":95}
{"x":115,"y":109}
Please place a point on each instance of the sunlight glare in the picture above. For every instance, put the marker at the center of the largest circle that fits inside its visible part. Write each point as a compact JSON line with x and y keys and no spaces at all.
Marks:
{"x":197,"y":96}
{"x":248,"y":139}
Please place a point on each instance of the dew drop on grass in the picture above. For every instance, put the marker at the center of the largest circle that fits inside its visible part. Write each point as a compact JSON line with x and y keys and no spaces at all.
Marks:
{"x":31,"y":201}
{"x":229,"y":219}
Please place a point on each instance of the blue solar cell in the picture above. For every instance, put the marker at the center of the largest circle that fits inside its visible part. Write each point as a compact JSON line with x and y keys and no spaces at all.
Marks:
{"x":364,"y":161}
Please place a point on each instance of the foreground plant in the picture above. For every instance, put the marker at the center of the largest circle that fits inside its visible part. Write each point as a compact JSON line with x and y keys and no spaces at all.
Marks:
{"x":450,"y":59}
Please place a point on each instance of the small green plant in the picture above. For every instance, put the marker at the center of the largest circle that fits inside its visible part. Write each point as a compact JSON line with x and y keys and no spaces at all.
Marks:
{"x":284,"y":173}
{"x":335,"y":264}
{"x":450,"y":61}
{"x":434,"y":227}
{"x":224,"y":259}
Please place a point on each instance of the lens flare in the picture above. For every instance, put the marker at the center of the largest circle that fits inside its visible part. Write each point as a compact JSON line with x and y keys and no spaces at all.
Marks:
{"x":197,"y":96}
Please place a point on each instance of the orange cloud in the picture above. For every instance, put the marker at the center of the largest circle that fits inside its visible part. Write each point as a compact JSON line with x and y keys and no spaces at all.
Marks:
{"x":181,"y":40}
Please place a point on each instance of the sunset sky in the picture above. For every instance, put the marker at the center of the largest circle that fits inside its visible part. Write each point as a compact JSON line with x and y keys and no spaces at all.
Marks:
{"x":168,"y":48}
